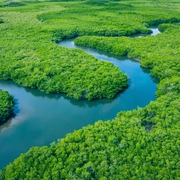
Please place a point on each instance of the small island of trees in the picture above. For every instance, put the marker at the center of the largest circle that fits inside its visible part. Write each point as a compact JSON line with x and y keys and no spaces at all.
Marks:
{"x":6,"y":106}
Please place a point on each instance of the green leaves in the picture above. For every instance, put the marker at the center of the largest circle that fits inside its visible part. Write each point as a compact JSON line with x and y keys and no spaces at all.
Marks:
{"x":41,"y":64}
{"x":138,"y":144}
{"x":6,"y":105}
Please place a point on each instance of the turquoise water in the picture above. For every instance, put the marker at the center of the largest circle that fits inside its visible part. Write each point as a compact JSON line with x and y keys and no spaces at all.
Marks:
{"x":41,"y":118}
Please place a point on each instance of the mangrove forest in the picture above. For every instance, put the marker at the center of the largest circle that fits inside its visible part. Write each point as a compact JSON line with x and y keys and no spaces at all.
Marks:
{"x":139,"y":143}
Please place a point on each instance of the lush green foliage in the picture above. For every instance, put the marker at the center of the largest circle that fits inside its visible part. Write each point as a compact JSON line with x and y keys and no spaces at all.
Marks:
{"x":138,"y":144}
{"x":12,"y":4}
{"x":155,"y":52}
{"x":31,"y":59}
{"x":6,"y":105}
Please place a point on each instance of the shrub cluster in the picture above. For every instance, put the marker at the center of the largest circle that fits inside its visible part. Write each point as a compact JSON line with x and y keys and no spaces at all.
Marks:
{"x":6,"y":105}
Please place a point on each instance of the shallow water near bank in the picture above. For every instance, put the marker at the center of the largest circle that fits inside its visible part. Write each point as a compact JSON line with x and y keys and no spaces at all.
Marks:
{"x":41,"y":118}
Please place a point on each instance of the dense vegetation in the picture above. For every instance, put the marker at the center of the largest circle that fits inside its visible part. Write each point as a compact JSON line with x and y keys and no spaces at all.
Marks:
{"x":159,"y":53}
{"x":138,"y":144}
{"x":6,"y":105}
{"x":31,"y":59}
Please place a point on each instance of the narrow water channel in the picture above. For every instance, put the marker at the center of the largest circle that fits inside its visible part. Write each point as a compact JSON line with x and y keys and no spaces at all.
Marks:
{"x":41,"y":118}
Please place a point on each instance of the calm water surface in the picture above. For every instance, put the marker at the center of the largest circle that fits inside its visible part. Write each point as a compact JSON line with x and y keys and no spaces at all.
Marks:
{"x":41,"y":118}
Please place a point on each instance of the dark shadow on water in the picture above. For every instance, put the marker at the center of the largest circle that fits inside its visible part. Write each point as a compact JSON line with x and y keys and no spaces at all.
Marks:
{"x":16,"y":107}
{"x":5,"y":124}
{"x":37,"y":93}
{"x":80,"y":103}
{"x":148,"y":71}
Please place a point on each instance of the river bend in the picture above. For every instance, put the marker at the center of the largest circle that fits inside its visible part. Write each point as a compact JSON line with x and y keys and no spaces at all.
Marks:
{"x":42,"y":118}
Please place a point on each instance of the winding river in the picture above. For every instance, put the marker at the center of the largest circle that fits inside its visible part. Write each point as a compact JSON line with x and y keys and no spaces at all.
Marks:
{"x":41,"y":118}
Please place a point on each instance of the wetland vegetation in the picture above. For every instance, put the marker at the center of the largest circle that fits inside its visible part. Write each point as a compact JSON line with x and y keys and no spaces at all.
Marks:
{"x":6,"y":106}
{"x":139,"y":144}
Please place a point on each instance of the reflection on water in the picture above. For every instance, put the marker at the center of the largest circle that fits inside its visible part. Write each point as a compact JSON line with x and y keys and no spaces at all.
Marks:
{"x":42,"y":118}
{"x":5,"y":124}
